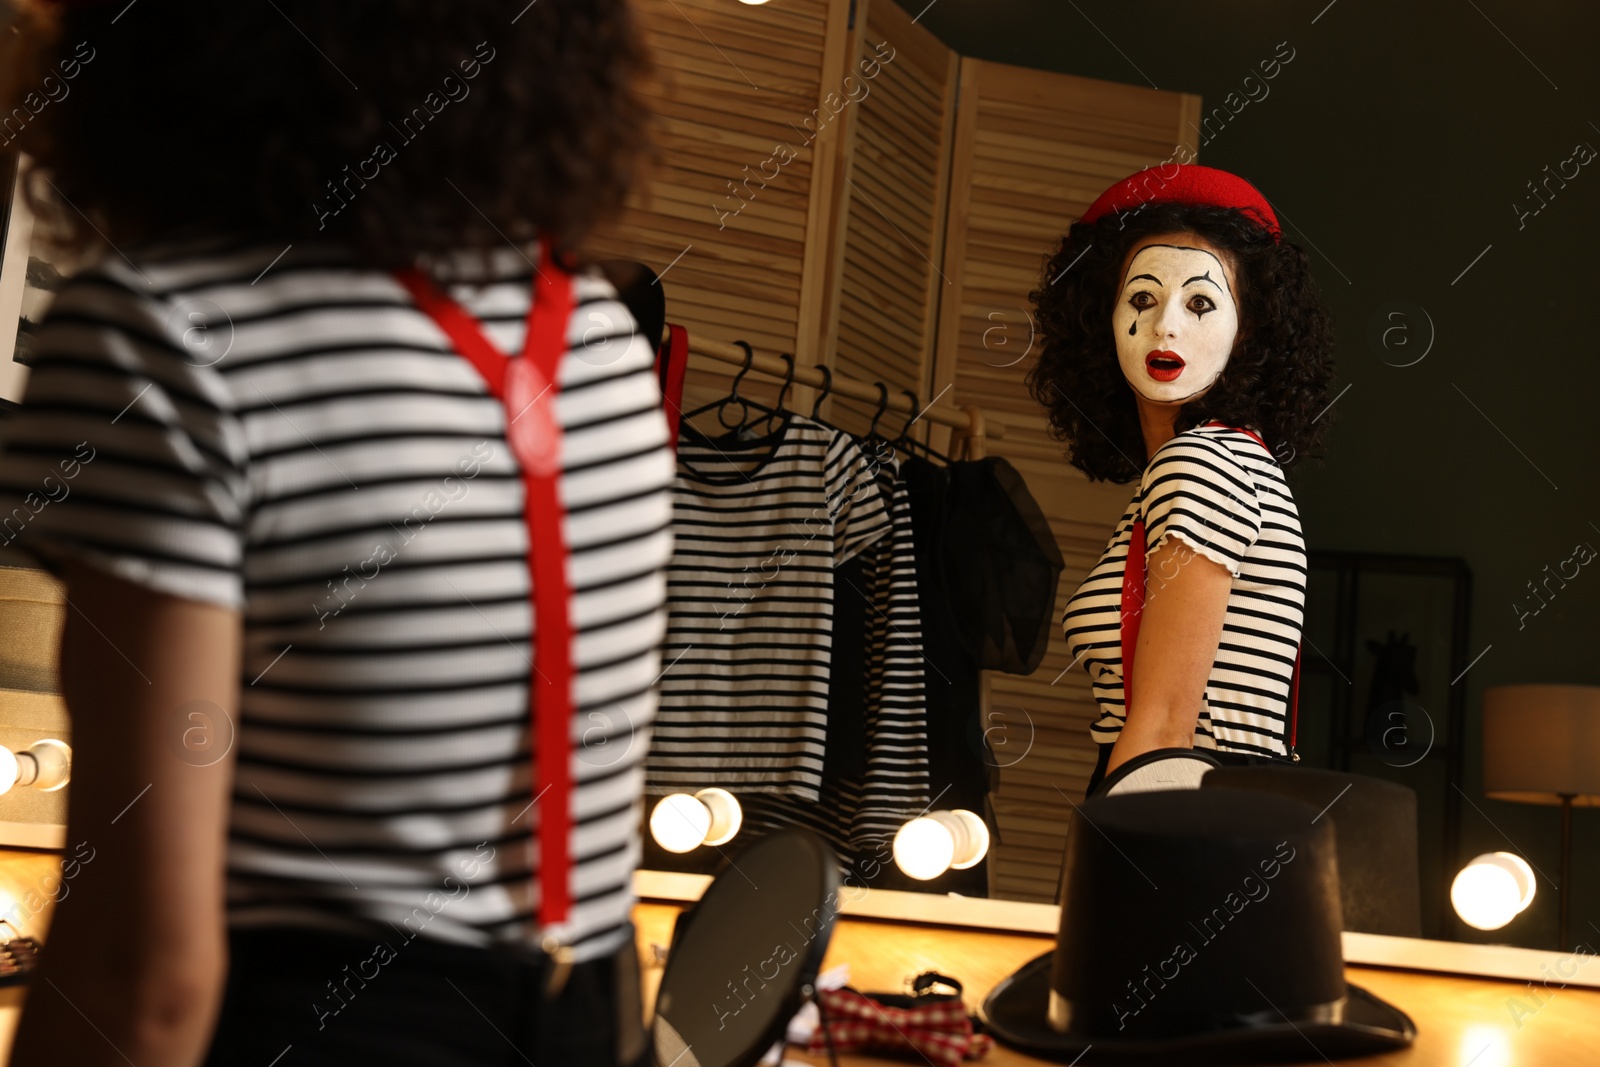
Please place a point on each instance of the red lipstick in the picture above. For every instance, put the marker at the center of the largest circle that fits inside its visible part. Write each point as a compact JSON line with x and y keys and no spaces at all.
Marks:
{"x":1163,"y":366}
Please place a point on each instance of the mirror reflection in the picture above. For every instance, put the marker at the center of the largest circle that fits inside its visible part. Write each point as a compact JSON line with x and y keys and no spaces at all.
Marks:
{"x":968,"y":315}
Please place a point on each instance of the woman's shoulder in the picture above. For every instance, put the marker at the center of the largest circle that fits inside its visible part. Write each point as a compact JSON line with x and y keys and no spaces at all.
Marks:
{"x":1239,"y":451}
{"x":1206,"y":464}
{"x":1245,"y":441}
{"x":1224,"y":449}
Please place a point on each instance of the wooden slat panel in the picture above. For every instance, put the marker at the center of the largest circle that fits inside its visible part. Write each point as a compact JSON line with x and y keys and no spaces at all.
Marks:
{"x":1032,"y":150}
{"x":741,"y":235}
{"x":892,"y":230}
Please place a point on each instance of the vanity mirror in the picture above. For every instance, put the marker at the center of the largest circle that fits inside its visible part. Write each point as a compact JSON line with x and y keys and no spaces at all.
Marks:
{"x":876,"y":206}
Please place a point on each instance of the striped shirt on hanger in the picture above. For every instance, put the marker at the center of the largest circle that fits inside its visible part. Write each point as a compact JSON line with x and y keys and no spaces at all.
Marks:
{"x":1220,"y":491}
{"x":860,"y":814}
{"x":759,"y":526}
{"x":293,"y":438}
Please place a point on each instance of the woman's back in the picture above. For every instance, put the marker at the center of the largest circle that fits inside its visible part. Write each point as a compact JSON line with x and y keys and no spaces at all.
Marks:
{"x":296,"y":439}
{"x":299,"y":658}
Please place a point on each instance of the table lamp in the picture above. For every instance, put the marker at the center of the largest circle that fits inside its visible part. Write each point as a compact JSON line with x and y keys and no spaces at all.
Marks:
{"x":1541,"y":745}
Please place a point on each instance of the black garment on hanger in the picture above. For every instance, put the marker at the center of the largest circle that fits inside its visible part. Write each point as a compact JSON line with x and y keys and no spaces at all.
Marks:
{"x":1004,"y":565}
{"x":958,"y":755}
{"x":845,"y":757}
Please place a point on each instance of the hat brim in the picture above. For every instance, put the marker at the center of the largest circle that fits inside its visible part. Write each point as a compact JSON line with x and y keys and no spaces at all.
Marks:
{"x":1014,"y":1012}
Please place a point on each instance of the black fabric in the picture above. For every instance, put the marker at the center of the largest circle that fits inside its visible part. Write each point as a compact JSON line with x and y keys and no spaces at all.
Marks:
{"x":961,"y":768}
{"x":959,"y":757}
{"x":1002,"y":563}
{"x":642,"y":293}
{"x":844,"y":756}
{"x":1376,"y":830}
{"x":424,"y":1003}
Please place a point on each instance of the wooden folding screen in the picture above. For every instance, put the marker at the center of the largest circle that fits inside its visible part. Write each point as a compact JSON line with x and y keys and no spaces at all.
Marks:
{"x":889,"y":233}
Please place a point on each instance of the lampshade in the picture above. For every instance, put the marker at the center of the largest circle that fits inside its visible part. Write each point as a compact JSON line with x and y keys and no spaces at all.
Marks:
{"x":1540,"y":742}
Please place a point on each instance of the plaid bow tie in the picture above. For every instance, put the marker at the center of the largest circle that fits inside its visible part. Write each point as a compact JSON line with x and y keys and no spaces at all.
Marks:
{"x":940,"y":1030}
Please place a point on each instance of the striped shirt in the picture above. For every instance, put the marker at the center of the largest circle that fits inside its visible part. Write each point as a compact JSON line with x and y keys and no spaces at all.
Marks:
{"x":860,"y":815}
{"x":758,"y":527}
{"x":293,"y":438}
{"x":1220,"y":491}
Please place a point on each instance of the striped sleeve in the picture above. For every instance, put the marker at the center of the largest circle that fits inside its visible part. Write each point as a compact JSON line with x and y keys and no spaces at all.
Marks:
{"x":855,"y":502}
{"x":125,"y":453}
{"x":1194,"y":488}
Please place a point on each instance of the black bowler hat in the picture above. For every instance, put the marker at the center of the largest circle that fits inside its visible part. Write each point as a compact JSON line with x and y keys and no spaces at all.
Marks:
{"x":1376,"y":826}
{"x":1197,"y":924}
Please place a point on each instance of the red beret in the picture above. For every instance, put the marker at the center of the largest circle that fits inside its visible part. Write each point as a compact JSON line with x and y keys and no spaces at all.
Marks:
{"x":1186,"y":183}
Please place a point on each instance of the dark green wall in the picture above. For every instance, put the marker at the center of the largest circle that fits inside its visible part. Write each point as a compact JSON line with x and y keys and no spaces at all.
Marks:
{"x":1395,"y":144}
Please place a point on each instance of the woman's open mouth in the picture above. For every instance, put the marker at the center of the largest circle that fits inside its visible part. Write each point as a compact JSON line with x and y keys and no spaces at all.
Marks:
{"x":1163,"y":366}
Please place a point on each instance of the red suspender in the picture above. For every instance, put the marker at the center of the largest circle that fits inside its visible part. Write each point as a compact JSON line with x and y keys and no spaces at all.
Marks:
{"x":672,"y":361}
{"x":1132,"y":607}
{"x":1133,"y":596}
{"x":527,"y":387}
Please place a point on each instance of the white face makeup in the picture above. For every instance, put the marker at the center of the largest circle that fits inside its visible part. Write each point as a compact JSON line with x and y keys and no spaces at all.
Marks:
{"x":1175,"y":321}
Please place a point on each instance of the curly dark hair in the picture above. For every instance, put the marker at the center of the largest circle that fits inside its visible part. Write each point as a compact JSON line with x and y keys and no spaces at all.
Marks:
{"x":402,"y":128}
{"x":1276,"y":379}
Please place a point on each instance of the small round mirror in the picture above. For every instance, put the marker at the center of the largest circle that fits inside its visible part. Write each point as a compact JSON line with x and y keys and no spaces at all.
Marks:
{"x":745,"y":956}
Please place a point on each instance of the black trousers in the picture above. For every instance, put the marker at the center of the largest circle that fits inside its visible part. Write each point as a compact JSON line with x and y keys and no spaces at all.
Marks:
{"x":314,"y":999}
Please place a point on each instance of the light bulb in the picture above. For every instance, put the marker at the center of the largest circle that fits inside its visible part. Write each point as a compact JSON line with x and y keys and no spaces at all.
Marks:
{"x":923,"y":848}
{"x":1492,"y":890}
{"x":680,"y":822}
{"x":726,"y":815}
{"x":972,"y":845}
{"x":46,"y":765}
{"x":931,"y":844}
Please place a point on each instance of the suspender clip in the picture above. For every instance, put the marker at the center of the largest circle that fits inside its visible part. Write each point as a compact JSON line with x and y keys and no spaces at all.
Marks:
{"x":560,"y":965}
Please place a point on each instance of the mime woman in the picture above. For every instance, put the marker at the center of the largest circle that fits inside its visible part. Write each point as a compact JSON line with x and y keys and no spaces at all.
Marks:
{"x":1185,"y":349}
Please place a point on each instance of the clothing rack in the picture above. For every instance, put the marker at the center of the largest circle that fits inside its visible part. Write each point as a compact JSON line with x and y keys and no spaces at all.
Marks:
{"x":972,"y":426}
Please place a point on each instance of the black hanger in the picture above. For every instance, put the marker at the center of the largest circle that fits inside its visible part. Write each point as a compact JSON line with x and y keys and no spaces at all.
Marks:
{"x":746,"y":405}
{"x":827,"y":389}
{"x":916,"y":409}
{"x":783,"y":394}
{"x":883,"y":406}
{"x":910,"y":445}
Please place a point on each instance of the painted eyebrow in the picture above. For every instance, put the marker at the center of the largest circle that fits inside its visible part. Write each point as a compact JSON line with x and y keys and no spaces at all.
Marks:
{"x":1185,"y":248}
{"x":1152,"y":277}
